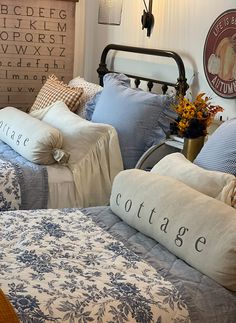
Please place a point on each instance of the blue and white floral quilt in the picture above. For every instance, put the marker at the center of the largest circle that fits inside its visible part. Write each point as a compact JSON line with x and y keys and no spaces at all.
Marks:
{"x":23,"y":185}
{"x":10,"y":193}
{"x":59,"y":266}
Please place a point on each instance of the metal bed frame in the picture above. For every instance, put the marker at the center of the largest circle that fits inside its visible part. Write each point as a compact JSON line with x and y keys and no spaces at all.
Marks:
{"x":180,"y":86}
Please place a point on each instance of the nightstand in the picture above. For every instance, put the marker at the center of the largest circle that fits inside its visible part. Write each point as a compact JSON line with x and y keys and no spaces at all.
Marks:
{"x":157,"y":152}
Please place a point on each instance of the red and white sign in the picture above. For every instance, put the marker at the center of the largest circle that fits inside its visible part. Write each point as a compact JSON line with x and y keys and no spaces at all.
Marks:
{"x":219,"y":57}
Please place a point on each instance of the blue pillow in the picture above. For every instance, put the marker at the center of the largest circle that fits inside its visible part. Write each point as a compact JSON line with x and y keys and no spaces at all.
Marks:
{"x":90,"y":106}
{"x":139,"y":117}
{"x":219,"y":152}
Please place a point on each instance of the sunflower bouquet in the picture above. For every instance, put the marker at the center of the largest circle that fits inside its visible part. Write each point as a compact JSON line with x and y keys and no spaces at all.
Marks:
{"x":193,"y":118}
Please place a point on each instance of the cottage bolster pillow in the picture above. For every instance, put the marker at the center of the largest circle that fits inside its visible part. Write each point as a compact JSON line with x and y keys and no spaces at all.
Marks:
{"x":195,"y":227}
{"x":33,"y":139}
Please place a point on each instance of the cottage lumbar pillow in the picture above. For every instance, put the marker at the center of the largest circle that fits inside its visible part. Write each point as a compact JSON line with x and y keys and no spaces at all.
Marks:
{"x":33,"y":139}
{"x":195,"y":227}
{"x":215,"y":184}
{"x":54,"y":90}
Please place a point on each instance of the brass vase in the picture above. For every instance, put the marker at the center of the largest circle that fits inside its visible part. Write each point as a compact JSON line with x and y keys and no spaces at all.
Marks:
{"x":192,"y":147}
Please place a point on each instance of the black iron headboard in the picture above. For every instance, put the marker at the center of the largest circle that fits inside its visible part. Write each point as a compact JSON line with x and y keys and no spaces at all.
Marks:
{"x":180,"y":86}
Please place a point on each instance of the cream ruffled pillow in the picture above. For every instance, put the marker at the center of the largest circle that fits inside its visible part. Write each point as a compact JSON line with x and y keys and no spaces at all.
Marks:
{"x":212,"y":183}
{"x":95,"y":157}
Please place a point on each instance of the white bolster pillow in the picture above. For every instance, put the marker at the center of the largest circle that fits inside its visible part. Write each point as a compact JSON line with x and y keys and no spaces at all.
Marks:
{"x":195,"y":227}
{"x":35,"y":140}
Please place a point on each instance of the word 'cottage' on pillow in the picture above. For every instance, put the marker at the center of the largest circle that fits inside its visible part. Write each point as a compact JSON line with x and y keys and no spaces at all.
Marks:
{"x":54,"y":90}
{"x":193,"y":226}
{"x":137,"y":115}
{"x":212,"y":183}
{"x":33,"y":139}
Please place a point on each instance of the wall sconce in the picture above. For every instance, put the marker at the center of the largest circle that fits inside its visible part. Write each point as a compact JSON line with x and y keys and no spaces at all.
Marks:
{"x":147,"y":17}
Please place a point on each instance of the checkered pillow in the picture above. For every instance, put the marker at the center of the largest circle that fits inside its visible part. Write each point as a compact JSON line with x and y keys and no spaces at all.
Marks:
{"x":54,"y":90}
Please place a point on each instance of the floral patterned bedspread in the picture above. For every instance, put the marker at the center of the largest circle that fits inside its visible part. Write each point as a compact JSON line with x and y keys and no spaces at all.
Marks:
{"x":23,"y":184}
{"x":10,"y":193}
{"x":59,"y":266}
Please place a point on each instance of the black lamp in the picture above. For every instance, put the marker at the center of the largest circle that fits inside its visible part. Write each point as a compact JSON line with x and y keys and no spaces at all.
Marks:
{"x":147,"y":18}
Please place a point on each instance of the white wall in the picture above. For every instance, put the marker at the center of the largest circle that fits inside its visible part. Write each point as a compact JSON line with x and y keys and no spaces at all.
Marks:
{"x":180,"y":25}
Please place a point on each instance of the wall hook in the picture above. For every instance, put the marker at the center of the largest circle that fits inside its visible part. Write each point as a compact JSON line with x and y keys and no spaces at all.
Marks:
{"x":147,"y":18}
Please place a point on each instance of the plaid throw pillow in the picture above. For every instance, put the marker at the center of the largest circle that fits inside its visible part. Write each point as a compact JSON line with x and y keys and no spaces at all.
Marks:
{"x":54,"y":90}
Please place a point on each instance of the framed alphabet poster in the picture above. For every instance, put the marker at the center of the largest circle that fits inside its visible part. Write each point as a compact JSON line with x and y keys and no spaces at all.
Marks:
{"x":219,"y":57}
{"x":36,"y":40}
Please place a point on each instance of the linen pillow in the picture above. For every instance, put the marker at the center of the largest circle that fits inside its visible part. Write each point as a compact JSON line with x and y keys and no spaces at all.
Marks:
{"x":33,"y":139}
{"x":54,"y":90}
{"x":219,"y":152}
{"x":89,"y":91}
{"x":95,"y":157}
{"x":212,"y":183}
{"x":193,"y":226}
{"x":77,"y":132}
{"x":138,"y":116}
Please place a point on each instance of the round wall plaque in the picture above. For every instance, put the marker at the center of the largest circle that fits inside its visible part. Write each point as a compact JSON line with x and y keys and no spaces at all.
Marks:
{"x":219,"y":56}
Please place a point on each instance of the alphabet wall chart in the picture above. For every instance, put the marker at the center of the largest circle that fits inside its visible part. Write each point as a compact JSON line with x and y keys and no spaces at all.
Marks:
{"x":36,"y":40}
